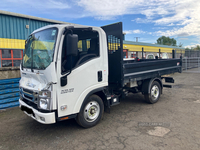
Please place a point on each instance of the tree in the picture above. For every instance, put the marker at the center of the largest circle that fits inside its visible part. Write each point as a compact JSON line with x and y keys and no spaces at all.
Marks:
{"x":197,"y":47}
{"x":166,"y":41}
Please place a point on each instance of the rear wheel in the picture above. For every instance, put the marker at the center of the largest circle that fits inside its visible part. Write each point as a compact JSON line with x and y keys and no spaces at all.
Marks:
{"x":91,"y":112}
{"x":154,"y":95}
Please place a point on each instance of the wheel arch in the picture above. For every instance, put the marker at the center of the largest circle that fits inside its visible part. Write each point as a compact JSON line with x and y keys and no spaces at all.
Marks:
{"x":99,"y":92}
{"x":147,"y":85}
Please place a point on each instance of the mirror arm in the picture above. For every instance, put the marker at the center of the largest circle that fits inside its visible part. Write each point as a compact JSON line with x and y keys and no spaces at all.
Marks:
{"x":68,"y":29}
{"x":65,"y":76}
{"x":70,"y":68}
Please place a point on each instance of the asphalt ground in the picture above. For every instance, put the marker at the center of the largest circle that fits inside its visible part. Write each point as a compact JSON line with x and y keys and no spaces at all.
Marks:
{"x":172,"y":123}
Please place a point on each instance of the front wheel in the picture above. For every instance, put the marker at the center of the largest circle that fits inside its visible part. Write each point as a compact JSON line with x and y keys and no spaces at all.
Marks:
{"x":91,"y":112}
{"x":154,"y":94}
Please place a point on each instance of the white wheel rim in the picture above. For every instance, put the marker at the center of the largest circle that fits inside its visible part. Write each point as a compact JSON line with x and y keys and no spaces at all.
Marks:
{"x":91,"y":111}
{"x":155,"y":92}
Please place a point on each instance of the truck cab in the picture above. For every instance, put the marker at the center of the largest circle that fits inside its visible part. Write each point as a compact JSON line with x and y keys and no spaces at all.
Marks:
{"x":54,"y":79}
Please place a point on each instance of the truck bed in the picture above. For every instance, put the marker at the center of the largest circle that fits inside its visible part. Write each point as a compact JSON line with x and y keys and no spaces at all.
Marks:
{"x":123,"y":71}
{"x":149,"y":68}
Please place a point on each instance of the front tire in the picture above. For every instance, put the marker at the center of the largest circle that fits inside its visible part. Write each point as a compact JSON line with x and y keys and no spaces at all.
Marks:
{"x":154,"y":94}
{"x":91,"y":112}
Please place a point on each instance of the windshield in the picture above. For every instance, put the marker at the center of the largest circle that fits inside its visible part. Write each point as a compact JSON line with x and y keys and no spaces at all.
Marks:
{"x":39,"y":49}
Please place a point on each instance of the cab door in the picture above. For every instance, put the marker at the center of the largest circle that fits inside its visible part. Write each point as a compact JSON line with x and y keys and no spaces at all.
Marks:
{"x":88,"y":71}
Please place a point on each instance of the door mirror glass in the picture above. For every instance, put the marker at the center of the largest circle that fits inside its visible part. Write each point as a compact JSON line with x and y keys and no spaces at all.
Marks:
{"x":72,"y":45}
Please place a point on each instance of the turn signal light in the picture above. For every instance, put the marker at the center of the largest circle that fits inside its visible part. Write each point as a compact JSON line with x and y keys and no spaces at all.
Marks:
{"x":64,"y":118}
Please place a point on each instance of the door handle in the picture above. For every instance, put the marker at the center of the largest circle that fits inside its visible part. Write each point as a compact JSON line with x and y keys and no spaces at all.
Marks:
{"x":99,"y":74}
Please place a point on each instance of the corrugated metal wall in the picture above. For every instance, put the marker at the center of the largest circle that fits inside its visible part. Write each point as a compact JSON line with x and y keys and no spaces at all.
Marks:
{"x":13,"y":27}
{"x":9,"y":93}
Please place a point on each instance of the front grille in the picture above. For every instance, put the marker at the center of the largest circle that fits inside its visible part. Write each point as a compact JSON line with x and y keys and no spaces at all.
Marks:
{"x":30,"y":95}
{"x":28,"y":91}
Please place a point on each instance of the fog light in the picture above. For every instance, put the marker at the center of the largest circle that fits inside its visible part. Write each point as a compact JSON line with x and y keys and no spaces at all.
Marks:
{"x":42,"y":118}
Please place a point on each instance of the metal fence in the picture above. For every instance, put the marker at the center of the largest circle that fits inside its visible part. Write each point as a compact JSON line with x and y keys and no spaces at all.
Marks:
{"x":190,"y":63}
{"x":187,"y":53}
{"x":9,"y":93}
{"x":190,"y":60}
{"x":192,"y":53}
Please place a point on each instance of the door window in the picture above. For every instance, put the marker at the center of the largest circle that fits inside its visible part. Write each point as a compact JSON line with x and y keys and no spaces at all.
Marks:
{"x":88,"y":49}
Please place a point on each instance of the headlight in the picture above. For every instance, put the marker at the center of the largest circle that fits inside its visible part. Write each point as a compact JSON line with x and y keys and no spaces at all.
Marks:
{"x":44,"y":103}
{"x":44,"y":100}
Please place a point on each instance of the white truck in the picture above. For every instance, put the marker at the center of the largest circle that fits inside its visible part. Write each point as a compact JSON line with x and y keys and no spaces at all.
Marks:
{"x":75,"y":71}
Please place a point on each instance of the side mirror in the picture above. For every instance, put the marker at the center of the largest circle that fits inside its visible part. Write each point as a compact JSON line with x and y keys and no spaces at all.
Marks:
{"x":72,"y":45}
{"x":71,"y":50}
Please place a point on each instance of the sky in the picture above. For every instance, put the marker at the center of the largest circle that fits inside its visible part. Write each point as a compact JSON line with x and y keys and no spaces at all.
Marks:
{"x":146,"y":19}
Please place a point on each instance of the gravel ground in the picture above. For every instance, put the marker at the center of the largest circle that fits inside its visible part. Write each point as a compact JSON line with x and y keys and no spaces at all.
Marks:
{"x":172,"y":123}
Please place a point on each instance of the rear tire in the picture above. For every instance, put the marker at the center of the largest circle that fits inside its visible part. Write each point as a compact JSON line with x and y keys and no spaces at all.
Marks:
{"x":154,"y":94}
{"x":91,"y":112}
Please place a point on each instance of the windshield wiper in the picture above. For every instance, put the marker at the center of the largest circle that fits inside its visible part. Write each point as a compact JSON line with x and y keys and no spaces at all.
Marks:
{"x":32,"y":47}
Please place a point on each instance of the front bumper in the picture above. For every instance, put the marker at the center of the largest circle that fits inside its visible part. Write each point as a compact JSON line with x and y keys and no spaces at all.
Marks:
{"x":45,"y":118}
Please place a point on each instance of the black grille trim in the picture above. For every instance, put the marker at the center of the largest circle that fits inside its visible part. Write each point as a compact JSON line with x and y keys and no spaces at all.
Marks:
{"x":35,"y":106}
